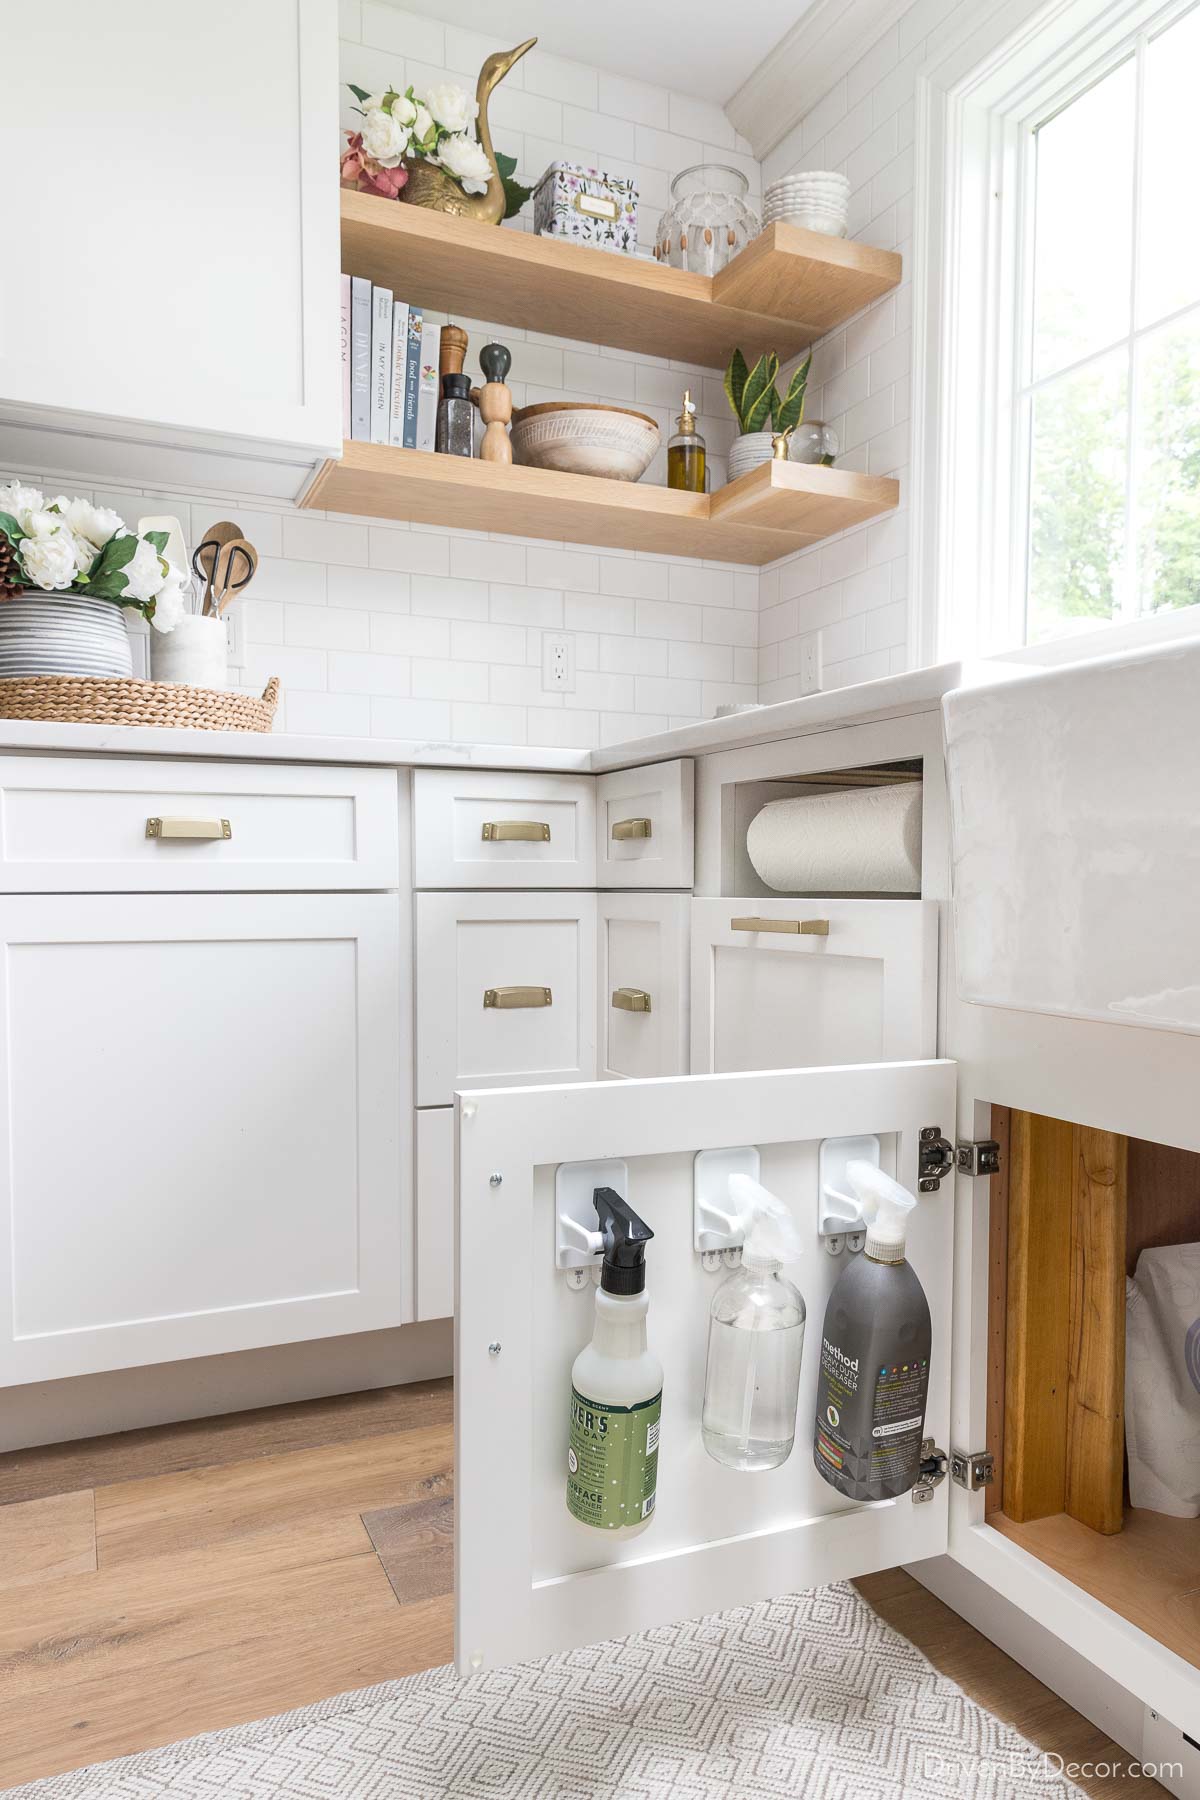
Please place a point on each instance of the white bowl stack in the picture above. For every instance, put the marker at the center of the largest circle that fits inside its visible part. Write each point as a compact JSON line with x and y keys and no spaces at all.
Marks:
{"x":817,"y":200}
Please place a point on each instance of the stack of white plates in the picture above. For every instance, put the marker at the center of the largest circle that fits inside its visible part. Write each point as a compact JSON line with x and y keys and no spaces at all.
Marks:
{"x":817,"y":200}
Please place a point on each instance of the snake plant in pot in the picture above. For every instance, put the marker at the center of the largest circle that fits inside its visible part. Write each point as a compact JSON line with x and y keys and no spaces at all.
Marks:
{"x":762,"y":415}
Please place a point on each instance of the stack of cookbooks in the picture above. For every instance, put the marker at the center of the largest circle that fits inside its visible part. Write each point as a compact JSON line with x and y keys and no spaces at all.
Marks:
{"x":389,"y":368}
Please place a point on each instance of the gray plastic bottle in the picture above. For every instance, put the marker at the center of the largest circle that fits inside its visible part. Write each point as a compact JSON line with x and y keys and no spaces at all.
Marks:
{"x":873,"y":1380}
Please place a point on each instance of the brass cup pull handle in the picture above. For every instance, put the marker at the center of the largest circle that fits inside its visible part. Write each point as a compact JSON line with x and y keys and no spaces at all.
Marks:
{"x":516,"y":831}
{"x":188,"y":828}
{"x":793,"y":927}
{"x":624,"y":829}
{"x":506,"y":998}
{"x":631,"y":1000}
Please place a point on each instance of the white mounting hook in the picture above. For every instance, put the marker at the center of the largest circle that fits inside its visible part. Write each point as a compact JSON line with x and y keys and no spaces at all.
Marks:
{"x":717,"y":1233}
{"x":577,"y":1243}
{"x":841,"y":1225}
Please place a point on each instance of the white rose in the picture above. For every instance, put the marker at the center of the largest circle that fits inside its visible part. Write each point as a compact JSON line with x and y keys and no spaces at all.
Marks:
{"x":450,"y":107}
{"x":143,"y":572}
{"x":384,"y":137}
{"x":95,"y":523}
{"x":43,"y":523}
{"x":422,"y":126}
{"x":403,"y":109}
{"x":20,"y":501}
{"x":467,"y":160}
{"x":168,"y":602}
{"x":50,"y":560}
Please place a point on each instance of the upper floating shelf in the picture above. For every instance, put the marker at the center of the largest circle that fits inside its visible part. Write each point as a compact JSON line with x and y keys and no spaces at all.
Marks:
{"x":784,"y":290}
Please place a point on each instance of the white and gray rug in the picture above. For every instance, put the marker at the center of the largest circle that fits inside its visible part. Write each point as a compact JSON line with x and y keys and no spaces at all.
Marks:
{"x":809,"y":1695}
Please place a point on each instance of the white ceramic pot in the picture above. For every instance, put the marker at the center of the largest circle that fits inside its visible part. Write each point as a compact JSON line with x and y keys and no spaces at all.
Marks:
{"x":194,"y":653}
{"x":748,"y":451}
{"x":62,"y":634}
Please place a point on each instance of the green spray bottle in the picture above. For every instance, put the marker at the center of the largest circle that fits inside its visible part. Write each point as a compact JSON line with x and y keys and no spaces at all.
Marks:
{"x":616,"y":1387}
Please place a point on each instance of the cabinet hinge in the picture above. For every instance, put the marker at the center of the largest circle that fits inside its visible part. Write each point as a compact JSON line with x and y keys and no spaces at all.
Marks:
{"x":935,"y":1159}
{"x":978,"y":1157}
{"x":972,"y":1469}
{"x":933,"y":1471}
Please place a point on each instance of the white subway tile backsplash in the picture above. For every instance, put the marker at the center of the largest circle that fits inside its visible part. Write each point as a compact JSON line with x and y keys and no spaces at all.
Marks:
{"x":490,"y":724}
{"x":574,"y":83}
{"x":368,"y":673}
{"x":540,"y":607}
{"x":487,"y":643}
{"x":564,"y":730}
{"x":725,"y":625}
{"x":417,"y":552}
{"x":513,"y":685}
{"x":577,"y":569}
{"x":434,"y":680}
{"x":487,"y":559}
{"x":633,"y":656}
{"x":327,"y":628}
{"x":705,"y":662}
{"x":328,"y":715}
{"x":399,"y":634}
{"x":667,"y":694}
{"x":443,"y":597}
{"x":668,"y":619}
{"x":375,"y":590}
{"x":319,"y":540}
{"x":278,"y":579}
{"x":593,"y":612}
{"x":625,"y":98}
{"x":634,"y":578}
{"x":417,"y":719}
{"x":404,"y":33}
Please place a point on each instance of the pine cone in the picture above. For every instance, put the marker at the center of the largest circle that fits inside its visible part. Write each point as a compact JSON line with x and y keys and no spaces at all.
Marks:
{"x":12,"y":581}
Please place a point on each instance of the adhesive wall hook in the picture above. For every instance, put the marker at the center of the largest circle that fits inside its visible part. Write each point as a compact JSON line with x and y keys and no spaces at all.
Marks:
{"x":577,"y":1242}
{"x":715,"y":1227}
{"x":840,"y":1222}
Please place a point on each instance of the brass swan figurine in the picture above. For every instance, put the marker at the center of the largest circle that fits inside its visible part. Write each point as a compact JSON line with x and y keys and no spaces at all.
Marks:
{"x":430,"y":186}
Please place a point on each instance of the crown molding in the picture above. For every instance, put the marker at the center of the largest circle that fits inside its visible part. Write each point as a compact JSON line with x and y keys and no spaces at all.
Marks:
{"x":825,"y":42}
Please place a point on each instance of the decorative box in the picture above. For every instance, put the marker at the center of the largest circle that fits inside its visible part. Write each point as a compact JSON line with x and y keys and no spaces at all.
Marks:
{"x":587,"y":206}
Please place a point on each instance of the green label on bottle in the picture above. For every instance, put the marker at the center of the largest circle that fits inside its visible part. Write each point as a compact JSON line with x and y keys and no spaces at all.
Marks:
{"x":612,"y":1462}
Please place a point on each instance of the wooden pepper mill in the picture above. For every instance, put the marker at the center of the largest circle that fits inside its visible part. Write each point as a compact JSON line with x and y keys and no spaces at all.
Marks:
{"x":452,"y":352}
{"x":495,"y":404}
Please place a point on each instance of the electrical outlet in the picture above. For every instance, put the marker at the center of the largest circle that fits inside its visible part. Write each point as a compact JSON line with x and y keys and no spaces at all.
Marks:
{"x":810,"y":663}
{"x":235,"y":637}
{"x":558,"y":662}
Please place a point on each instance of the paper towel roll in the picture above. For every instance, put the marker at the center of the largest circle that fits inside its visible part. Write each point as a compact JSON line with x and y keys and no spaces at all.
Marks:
{"x":863,"y":841}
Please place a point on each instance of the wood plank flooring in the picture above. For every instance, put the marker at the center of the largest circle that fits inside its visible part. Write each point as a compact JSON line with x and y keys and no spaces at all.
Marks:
{"x":175,"y":1583}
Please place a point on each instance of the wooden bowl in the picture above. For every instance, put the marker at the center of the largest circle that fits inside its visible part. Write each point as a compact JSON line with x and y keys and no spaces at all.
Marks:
{"x":585,"y":439}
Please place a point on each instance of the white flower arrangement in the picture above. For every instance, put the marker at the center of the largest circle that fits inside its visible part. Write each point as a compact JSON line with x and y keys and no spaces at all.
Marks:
{"x":71,"y":546}
{"x":436,"y":126}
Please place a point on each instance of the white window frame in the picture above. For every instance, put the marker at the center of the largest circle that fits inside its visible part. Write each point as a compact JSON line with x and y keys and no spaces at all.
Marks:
{"x":1004,"y":70}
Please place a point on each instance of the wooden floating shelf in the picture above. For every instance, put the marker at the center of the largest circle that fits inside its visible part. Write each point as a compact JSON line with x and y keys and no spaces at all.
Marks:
{"x":768,"y":513}
{"x":787,"y":288}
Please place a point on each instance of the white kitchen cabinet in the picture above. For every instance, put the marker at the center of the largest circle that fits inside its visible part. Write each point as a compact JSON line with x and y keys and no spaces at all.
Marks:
{"x":105,"y":824}
{"x":503,"y":829}
{"x":780,"y":984}
{"x":506,"y":991}
{"x":205,"y":350}
{"x":204,"y":1141}
{"x":719,"y":1538}
{"x":644,"y":826}
{"x":642,"y":989}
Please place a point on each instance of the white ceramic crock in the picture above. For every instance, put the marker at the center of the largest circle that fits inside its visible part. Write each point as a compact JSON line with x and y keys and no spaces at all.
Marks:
{"x":194,"y":653}
{"x":62,"y":634}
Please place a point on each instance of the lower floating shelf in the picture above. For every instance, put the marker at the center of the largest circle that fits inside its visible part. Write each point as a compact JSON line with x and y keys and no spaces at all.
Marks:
{"x":766,"y":514}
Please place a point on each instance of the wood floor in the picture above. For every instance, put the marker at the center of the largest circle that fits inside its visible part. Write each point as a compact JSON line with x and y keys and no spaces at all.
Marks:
{"x":166,"y":1582}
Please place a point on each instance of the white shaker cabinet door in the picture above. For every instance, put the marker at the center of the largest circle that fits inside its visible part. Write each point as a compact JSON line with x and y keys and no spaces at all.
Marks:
{"x":530,"y":1578}
{"x":642,"y":996}
{"x":203,"y":1146}
{"x":645,"y":826}
{"x":790,"y":984}
{"x":205,"y":138}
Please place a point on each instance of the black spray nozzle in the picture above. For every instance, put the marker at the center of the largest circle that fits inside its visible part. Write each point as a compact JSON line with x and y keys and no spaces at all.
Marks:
{"x":625,"y":1239}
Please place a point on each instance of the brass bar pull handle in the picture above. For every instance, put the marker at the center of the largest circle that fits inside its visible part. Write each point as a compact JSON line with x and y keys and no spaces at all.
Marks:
{"x":794,"y":927}
{"x":507,"y":998}
{"x":624,"y":829}
{"x":188,"y":828}
{"x":631,"y":1000}
{"x":516,"y":831}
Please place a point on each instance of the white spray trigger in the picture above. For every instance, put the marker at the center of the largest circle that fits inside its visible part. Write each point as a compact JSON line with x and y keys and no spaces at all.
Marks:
{"x":772,"y":1237}
{"x":886,"y":1206}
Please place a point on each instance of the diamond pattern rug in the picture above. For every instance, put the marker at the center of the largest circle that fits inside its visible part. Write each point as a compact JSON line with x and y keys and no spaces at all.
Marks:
{"x":811,"y":1695}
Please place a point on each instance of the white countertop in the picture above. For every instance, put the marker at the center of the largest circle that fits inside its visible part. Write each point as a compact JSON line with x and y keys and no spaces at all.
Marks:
{"x":892,"y":697}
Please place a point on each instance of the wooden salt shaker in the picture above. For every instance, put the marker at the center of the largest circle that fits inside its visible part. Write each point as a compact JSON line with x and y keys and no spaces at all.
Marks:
{"x":495,"y":404}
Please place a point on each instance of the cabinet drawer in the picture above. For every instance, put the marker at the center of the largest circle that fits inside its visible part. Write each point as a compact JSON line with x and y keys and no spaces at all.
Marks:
{"x":506,"y":991}
{"x":435,"y":1212}
{"x":642,"y":962}
{"x":644,"y":827}
{"x":859,"y":986}
{"x":474,"y":829}
{"x":83,"y":825}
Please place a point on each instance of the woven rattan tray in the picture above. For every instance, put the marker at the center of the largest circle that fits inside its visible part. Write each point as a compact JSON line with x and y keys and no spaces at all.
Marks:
{"x":89,"y":700}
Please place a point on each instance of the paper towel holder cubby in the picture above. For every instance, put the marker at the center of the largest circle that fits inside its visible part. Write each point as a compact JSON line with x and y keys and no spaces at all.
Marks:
{"x":742,"y":799}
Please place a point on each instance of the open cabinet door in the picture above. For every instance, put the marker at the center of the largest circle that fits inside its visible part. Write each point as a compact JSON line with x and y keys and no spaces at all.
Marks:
{"x":529,"y":1578}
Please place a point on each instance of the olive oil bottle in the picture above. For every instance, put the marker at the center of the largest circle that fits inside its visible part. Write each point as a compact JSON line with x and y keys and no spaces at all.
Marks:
{"x":686,"y":455}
